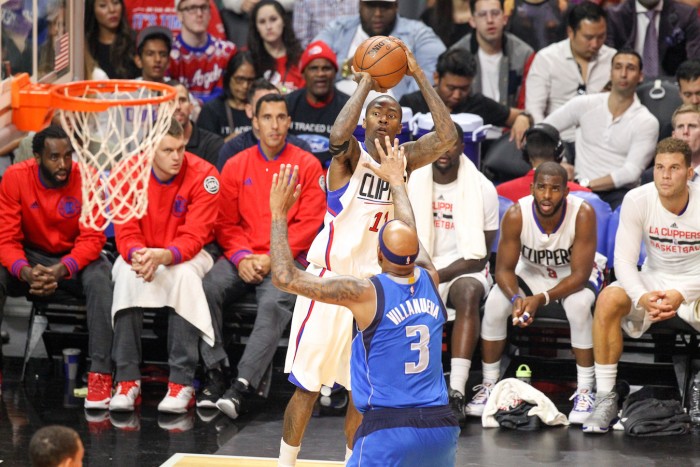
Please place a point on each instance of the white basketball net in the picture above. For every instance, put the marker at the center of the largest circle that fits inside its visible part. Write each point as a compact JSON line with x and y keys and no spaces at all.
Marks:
{"x":115,"y":153}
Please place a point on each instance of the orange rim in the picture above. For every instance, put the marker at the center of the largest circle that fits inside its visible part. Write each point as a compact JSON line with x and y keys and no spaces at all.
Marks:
{"x":71,"y":96}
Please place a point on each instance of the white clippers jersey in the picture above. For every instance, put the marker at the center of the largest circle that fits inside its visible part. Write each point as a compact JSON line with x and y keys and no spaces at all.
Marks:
{"x":347,"y":244}
{"x":672,"y":242}
{"x":547,"y":255}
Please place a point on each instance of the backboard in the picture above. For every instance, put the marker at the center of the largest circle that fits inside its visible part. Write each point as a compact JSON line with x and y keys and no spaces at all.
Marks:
{"x":43,"y":38}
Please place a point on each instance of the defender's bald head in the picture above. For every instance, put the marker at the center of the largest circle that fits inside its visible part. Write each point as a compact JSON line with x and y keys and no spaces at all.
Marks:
{"x":398,"y":243}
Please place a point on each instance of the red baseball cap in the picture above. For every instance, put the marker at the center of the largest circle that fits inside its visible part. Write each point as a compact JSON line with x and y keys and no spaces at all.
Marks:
{"x":317,"y":49}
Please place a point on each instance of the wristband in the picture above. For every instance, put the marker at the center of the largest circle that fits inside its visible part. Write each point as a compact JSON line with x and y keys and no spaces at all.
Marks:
{"x":546,"y":298}
{"x":514,"y":298}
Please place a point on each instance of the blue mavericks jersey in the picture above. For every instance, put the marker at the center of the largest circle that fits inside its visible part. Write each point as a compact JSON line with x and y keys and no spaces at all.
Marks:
{"x":397,"y":360}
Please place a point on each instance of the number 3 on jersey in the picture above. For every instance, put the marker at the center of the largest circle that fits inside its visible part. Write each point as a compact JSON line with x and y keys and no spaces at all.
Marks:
{"x":378,"y":221}
{"x":421,"y":346}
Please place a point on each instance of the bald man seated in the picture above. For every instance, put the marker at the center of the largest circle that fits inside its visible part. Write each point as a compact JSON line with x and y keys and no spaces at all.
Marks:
{"x":399,"y":314}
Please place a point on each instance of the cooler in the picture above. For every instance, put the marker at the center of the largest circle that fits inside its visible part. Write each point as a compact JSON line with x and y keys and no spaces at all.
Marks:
{"x":404,"y":136}
{"x":472,"y":125}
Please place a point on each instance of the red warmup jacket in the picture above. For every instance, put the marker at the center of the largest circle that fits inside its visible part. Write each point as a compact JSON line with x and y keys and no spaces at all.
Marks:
{"x":35,"y":216}
{"x":180,"y":216}
{"x":244,"y":221}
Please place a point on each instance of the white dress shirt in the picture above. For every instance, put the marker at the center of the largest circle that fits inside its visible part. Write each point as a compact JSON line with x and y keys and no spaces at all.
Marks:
{"x":554,"y":79}
{"x":620,"y":147}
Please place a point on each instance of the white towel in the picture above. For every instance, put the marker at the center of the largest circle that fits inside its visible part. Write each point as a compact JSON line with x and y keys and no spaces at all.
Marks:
{"x":510,"y":388}
{"x":468,"y":211}
{"x":179,"y":287}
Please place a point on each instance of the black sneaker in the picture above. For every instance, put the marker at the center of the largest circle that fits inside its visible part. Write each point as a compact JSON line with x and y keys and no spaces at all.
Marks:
{"x":457,"y":406}
{"x":232,"y":401}
{"x":213,"y":388}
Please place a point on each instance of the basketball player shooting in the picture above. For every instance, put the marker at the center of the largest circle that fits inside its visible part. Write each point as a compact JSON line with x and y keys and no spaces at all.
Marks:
{"x":393,"y":382}
{"x":359,"y":204}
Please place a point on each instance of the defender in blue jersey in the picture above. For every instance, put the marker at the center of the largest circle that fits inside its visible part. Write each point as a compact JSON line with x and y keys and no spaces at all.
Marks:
{"x":396,"y":365}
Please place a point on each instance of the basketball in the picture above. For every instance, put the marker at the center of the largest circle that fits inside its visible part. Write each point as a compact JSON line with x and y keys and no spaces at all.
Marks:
{"x":383,"y":59}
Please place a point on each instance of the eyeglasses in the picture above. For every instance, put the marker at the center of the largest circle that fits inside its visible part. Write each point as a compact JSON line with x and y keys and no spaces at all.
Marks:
{"x":242,"y":80}
{"x":486,"y":13}
{"x":192,"y":9}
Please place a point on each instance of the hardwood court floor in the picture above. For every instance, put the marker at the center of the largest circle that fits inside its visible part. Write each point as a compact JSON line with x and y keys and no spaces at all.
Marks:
{"x":203,"y":438}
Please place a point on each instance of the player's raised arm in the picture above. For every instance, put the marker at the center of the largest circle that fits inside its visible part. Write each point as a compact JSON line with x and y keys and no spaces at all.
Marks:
{"x":356,"y":294}
{"x":392,"y":170}
{"x":343,"y":146}
{"x":432,"y":145}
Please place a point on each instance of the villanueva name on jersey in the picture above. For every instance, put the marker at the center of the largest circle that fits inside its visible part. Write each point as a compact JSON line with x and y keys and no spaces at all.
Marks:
{"x":560,"y":257}
{"x":413,"y":307}
{"x":673,"y":240}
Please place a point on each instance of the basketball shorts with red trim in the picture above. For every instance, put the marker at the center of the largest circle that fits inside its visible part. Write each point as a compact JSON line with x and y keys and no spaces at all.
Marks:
{"x":319,"y":342}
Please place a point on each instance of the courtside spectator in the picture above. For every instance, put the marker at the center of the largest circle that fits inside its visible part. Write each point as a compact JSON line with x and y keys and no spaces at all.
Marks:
{"x":198,"y":59}
{"x":540,"y":23}
{"x":450,"y":20}
{"x":315,"y":108}
{"x":274,"y":47}
{"x":500,"y":56}
{"x":542,"y":144}
{"x":56,"y":446}
{"x":225,"y":115}
{"x":109,"y":39}
{"x":453,"y":79}
{"x":381,"y":18}
{"x":575,"y":66}
{"x":311,"y":16}
{"x":198,"y":141}
{"x":153,"y":53}
{"x":616,"y":134}
{"x":688,"y":77}
{"x":663,"y":33}
{"x":144,"y":13}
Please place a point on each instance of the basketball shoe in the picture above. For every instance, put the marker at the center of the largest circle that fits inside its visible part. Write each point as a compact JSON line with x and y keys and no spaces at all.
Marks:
{"x":584,"y":401}
{"x":99,"y":391}
{"x":126,"y":397}
{"x":178,"y":399}
{"x":604,"y":414}
{"x":475,"y":407}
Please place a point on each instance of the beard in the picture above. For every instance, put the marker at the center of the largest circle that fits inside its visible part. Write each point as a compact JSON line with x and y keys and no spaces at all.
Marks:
{"x":557,"y":208}
{"x":51,"y":177}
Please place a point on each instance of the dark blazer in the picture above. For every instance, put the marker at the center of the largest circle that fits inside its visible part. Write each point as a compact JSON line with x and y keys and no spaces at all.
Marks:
{"x":679,"y":32}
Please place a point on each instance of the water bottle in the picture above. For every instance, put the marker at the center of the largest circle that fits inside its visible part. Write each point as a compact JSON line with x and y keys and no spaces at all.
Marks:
{"x":695,"y":401}
{"x":524,"y":374}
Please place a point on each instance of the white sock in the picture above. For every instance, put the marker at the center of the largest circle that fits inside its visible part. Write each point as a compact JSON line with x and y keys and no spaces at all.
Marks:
{"x":605,"y":376}
{"x":459,"y":373}
{"x":491,"y":371}
{"x":288,"y":455}
{"x":348,"y":453}
{"x":585,"y":376}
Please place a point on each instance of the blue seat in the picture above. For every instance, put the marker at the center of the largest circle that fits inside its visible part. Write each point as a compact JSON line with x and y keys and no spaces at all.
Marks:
{"x":503,"y":205}
{"x":602,"y":217}
{"x":612,"y":232}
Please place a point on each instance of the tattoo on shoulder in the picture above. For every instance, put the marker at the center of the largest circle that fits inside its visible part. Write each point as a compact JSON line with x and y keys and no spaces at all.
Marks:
{"x":336,"y":149}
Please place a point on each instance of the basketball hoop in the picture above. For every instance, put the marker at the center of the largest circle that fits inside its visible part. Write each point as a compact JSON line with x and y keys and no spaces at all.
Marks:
{"x":115,"y":127}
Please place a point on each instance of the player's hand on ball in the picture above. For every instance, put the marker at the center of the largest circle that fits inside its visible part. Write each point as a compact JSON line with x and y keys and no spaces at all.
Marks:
{"x":363,"y":75}
{"x":284,"y":190}
{"x":411,"y":62}
{"x":392,"y":165}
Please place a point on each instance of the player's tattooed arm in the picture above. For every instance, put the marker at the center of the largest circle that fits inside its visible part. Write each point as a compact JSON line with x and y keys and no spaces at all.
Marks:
{"x":436,"y":143}
{"x":356,"y":294}
{"x":345,"y":123}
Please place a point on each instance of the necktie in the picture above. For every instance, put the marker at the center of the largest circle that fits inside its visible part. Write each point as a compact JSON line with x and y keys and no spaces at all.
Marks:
{"x":651,"y":48}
